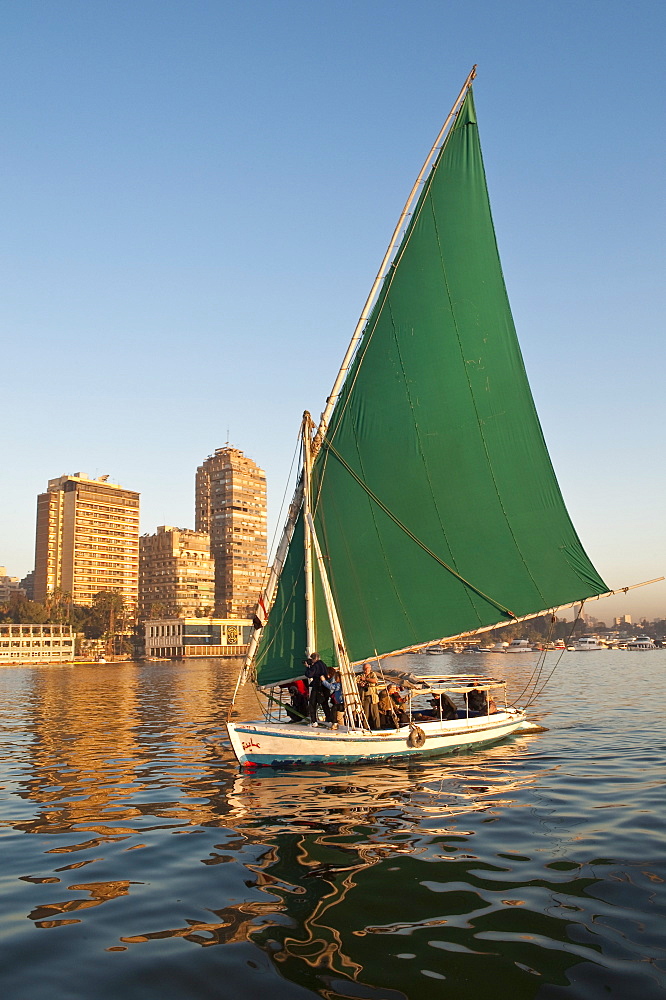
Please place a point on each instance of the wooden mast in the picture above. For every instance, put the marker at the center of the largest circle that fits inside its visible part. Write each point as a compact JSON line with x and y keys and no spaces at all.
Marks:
{"x":352,"y":702}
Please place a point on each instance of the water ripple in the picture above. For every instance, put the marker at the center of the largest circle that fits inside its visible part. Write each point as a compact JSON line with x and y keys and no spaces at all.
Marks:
{"x":134,"y":849}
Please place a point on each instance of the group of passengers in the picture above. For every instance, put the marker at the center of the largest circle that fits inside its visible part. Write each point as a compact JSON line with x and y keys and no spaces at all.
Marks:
{"x":384,"y":705}
{"x":477,"y":703}
{"x":322,"y":690}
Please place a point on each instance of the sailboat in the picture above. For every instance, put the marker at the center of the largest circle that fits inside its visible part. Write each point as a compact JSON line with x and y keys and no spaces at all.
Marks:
{"x":427,"y":508}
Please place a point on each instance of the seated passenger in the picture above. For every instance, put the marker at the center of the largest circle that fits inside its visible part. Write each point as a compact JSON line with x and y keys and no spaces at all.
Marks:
{"x":388,"y":715}
{"x":298,"y":692}
{"x":442,"y":708}
{"x":333,"y":682}
{"x":478,"y":702}
{"x":399,"y":702}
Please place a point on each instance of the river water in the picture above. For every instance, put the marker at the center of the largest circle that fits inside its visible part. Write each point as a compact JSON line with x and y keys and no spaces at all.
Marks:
{"x":137,"y":862}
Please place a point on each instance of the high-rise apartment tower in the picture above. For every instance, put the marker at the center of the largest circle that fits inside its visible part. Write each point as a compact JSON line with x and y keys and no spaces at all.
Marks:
{"x":231,"y":507}
{"x":87,"y":540}
{"x":176,"y":574}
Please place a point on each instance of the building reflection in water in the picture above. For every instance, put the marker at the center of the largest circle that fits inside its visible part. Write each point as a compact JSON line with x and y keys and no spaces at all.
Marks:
{"x":97,"y":750}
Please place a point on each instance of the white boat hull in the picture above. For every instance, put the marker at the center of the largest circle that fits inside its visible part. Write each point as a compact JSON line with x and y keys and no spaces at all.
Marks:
{"x":516,"y":646}
{"x":269,"y":744}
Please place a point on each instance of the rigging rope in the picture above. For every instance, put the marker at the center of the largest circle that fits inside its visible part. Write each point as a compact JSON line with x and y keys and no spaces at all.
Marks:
{"x":535,"y":676}
{"x":533,"y":680}
{"x":536,"y":693}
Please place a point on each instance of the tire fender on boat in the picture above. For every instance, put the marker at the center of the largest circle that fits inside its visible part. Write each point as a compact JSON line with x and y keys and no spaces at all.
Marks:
{"x":416,"y":737}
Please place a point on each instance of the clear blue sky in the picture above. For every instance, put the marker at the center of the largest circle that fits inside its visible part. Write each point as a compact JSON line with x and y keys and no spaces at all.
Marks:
{"x":196,"y":196}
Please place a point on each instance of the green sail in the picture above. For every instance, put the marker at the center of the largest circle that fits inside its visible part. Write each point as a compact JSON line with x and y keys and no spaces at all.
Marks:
{"x":436,"y":504}
{"x":283,"y":642}
{"x":283,"y":639}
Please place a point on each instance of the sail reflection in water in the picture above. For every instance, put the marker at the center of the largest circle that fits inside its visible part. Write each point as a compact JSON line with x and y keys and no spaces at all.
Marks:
{"x":137,"y":862}
{"x":331,"y":830}
{"x":399,"y":876}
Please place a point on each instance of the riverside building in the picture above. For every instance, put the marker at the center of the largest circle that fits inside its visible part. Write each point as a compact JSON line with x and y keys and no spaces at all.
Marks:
{"x":87,"y":540}
{"x":36,"y":643}
{"x":180,"y":638}
{"x":176,"y":573}
{"x":231,"y":507}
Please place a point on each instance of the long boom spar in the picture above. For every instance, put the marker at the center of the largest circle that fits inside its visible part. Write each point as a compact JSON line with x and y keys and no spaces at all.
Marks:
{"x":386,"y":262}
{"x":522,"y":618}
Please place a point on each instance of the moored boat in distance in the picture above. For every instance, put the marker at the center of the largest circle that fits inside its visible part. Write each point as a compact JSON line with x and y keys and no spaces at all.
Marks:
{"x":640,"y":642}
{"x":519,"y":646}
{"x":515,"y":646}
{"x":588,"y":642}
{"x":426,"y":509}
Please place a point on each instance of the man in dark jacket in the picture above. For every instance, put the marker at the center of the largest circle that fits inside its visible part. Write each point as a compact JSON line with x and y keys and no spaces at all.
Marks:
{"x":315,"y":670}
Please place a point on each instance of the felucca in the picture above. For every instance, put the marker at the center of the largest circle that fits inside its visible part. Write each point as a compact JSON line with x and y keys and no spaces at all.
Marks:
{"x":427,"y":508}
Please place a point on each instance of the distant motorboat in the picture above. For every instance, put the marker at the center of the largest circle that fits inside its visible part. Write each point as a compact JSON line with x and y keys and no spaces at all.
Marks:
{"x":640,"y":642}
{"x":588,"y":642}
{"x":519,"y":646}
{"x":515,"y":646}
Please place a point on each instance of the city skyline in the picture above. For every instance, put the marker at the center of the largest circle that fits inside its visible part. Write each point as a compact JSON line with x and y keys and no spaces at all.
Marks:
{"x":605,"y":609}
{"x":203,"y":213}
{"x":87,"y":541}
